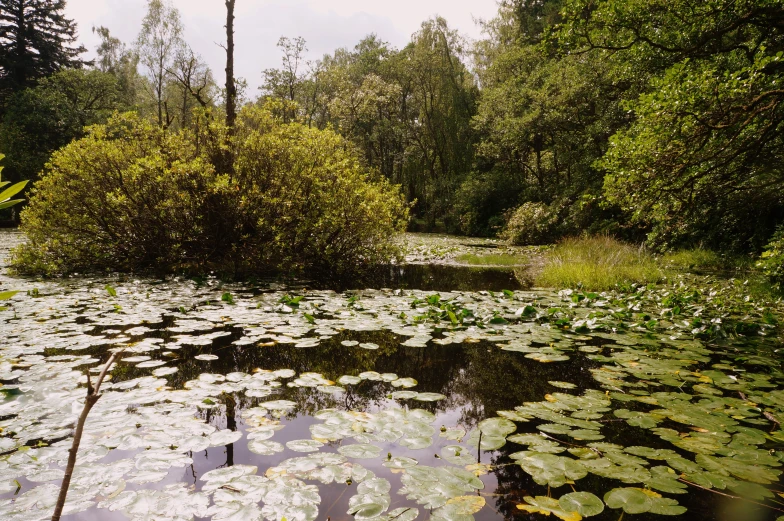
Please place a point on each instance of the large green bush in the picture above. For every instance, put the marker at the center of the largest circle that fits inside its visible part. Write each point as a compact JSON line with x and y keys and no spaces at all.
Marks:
{"x":530,"y":224}
{"x":267,"y":197}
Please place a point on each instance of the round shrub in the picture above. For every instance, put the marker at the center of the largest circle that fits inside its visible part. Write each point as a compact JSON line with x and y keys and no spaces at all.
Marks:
{"x":772,"y":260}
{"x":269,"y":196}
{"x":530,"y":224}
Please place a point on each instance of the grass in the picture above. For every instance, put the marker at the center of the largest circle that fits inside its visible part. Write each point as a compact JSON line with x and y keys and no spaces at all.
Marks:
{"x":492,"y":260}
{"x":598,"y":264}
{"x":705,"y":260}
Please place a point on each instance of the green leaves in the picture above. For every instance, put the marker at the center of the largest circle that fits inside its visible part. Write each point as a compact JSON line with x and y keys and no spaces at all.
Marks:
{"x":6,"y":295}
{"x":584,"y":503}
{"x":640,"y":501}
{"x":549,"y":469}
{"x":8,"y":193}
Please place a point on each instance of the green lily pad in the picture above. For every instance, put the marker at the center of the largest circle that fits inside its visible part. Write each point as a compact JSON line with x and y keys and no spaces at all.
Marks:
{"x":360,"y":451}
{"x":584,"y":503}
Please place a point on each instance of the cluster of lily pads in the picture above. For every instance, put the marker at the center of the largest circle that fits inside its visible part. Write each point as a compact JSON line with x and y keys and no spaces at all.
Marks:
{"x":696,"y":371}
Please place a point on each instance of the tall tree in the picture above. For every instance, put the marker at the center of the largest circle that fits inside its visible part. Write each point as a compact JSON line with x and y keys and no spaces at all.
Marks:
{"x":115,"y":58}
{"x":231,"y":87}
{"x":159,"y":43}
{"x":36,"y":40}
{"x":286,"y":83}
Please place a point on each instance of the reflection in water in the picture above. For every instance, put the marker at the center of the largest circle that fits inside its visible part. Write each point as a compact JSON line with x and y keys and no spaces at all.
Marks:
{"x":445,"y":277}
{"x":477,"y":378}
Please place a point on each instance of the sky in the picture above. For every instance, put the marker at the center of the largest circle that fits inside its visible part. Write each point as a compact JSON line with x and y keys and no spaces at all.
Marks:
{"x":325,"y":24}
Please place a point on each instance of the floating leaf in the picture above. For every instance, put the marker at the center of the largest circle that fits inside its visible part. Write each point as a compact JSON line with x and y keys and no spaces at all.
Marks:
{"x":584,"y":503}
{"x":264,"y":447}
{"x":631,"y":500}
{"x":360,"y":451}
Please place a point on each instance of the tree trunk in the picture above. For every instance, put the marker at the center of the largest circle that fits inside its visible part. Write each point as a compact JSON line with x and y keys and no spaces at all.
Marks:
{"x":231,"y":88}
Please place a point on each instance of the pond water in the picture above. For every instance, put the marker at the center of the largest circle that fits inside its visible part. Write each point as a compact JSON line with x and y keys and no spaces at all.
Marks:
{"x":244,"y":402}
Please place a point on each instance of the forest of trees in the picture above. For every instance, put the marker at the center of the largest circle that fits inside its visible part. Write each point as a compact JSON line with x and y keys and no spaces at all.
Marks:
{"x":657,"y":120}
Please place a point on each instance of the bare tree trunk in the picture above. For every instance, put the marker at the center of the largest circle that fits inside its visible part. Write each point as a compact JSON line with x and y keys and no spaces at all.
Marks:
{"x":231,"y":88}
{"x":93,"y":394}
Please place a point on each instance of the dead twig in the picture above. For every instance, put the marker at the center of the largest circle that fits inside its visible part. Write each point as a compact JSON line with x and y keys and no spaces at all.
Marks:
{"x":93,"y":395}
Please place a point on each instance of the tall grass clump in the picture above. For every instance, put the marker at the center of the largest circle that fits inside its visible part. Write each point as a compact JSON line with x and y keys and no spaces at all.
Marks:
{"x":597,"y":264}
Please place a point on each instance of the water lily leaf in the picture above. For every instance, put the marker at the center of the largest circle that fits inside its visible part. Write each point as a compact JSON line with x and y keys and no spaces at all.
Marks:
{"x":46,"y":475}
{"x":429,"y":397}
{"x":304,"y":445}
{"x":416,"y":442}
{"x":235,"y":511}
{"x":631,"y":500}
{"x":547,"y":357}
{"x":375,"y":486}
{"x":402,"y":514}
{"x":205,"y":357}
{"x":360,"y":451}
{"x":150,"y":363}
{"x":278,"y":405}
{"x":404,"y":395}
{"x":164,"y":371}
{"x":457,"y":455}
{"x":264,"y":447}
{"x":349,"y":380}
{"x":400,"y":462}
{"x":584,"y":503}
{"x":500,"y":427}
{"x":480,"y":441}
{"x":562,"y":385}
{"x":466,"y":505}
{"x":224,"y":437}
{"x":549,"y":469}
{"x":666,"y":507}
{"x":547,"y":505}
{"x":404,"y":382}
{"x":453,"y":433}
{"x":369,"y":345}
{"x":229,"y":473}
{"x":366,"y":511}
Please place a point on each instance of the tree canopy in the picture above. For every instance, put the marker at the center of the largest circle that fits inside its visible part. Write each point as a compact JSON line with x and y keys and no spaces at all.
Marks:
{"x":36,"y":40}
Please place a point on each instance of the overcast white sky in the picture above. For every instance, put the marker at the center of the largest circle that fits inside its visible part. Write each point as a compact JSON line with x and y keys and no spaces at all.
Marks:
{"x":325,"y":24}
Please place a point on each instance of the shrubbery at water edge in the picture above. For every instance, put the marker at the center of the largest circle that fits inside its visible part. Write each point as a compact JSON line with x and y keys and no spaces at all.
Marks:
{"x":267,"y":196}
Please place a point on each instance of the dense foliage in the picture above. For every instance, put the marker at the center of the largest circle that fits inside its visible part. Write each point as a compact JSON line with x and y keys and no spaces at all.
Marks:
{"x":133,"y":196}
{"x":36,"y":40}
{"x":657,"y":121}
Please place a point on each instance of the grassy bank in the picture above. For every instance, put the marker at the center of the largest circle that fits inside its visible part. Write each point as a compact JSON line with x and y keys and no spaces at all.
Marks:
{"x":603,"y":263}
{"x":492,"y":260}
{"x":597,"y":264}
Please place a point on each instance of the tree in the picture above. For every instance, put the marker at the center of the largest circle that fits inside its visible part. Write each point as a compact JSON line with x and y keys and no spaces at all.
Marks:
{"x":115,"y":58}
{"x":285,"y":83}
{"x":193,"y":82}
{"x":158,"y":44}
{"x":443,"y":95}
{"x":36,"y":40}
{"x":231,"y":88}
{"x":701,"y":161}
{"x":42,"y":119}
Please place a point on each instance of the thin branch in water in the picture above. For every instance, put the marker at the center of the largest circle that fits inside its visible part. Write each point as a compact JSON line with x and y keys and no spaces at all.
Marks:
{"x":93,"y":395}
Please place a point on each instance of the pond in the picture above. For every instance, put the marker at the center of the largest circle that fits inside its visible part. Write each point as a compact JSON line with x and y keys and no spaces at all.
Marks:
{"x":263,"y":401}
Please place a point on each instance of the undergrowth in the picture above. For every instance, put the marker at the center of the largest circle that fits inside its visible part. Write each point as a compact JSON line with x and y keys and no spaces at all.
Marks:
{"x":598,"y":263}
{"x":492,"y":260}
